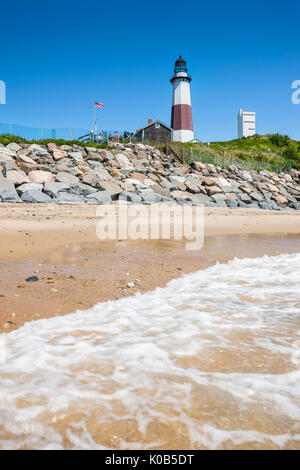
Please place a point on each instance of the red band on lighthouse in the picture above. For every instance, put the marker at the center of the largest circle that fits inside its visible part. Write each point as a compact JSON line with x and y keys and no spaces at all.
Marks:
{"x":182,"y":117}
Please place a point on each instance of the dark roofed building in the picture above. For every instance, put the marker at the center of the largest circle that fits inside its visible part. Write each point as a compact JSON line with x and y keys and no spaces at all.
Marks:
{"x":155,"y":131}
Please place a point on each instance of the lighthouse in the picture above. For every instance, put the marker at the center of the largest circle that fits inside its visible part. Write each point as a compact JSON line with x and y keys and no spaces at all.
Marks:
{"x":181,"y":119}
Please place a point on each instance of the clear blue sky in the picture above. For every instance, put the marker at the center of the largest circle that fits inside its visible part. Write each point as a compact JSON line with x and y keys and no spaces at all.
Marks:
{"x":58,"y":57}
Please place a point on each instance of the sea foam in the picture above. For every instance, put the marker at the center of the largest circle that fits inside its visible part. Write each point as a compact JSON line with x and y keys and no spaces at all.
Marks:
{"x":210,"y":361}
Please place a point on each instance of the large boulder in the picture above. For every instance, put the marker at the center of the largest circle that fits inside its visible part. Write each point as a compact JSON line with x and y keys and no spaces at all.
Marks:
{"x":76,"y":156}
{"x":28,"y":187}
{"x":69,"y":197}
{"x":100,"y":197}
{"x":41,"y":176}
{"x":213,"y":190}
{"x":123,"y":161}
{"x":281,"y":201}
{"x":128,"y":196}
{"x":52,"y":189}
{"x":17,"y":177}
{"x":59,"y":154}
{"x":67,"y":178}
{"x":7,"y":190}
{"x":33,"y":195}
{"x":37,"y":149}
{"x":14,"y":147}
{"x":111,"y":187}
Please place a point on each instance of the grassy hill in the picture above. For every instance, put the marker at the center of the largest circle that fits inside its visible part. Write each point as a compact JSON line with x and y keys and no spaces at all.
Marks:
{"x":273,"y":152}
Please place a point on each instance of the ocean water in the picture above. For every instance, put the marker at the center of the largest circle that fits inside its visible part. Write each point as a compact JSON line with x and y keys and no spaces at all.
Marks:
{"x":211,"y":361}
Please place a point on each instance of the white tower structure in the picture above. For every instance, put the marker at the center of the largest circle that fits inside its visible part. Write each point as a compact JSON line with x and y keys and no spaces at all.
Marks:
{"x":181,"y":119}
{"x":246,"y":123}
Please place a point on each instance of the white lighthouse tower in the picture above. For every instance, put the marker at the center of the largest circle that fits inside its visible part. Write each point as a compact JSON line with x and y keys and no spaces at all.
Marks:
{"x":181,"y":119}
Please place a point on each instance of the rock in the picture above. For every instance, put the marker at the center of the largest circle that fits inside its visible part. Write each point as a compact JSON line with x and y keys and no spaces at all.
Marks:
{"x":6,"y":153}
{"x":156,"y":188}
{"x":148,"y":196}
{"x":203,"y":199}
{"x":17,"y":177}
{"x":7,"y":162}
{"x":66,"y":178}
{"x":208,"y":181}
{"x":35,"y":196}
{"x":101,"y":197}
{"x":51,"y":146}
{"x":123,"y":161}
{"x":76,"y":156}
{"x":280,"y":200}
{"x":192,"y":187}
{"x":168,"y":185}
{"x":149,"y":182}
{"x":69,"y":197}
{"x":29,"y":186}
{"x":66,"y":148}
{"x":256,"y":196}
{"x":244,"y":198}
{"x":102,"y":174}
{"x":7,"y":191}
{"x":138,"y":176}
{"x":211,"y":168}
{"x":59,"y":154}
{"x":83,"y":189}
{"x":213,"y":190}
{"x":246,"y":189}
{"x":199,"y":166}
{"x":40,"y":176}
{"x":272,"y":187}
{"x":232,"y":203}
{"x":184,"y":195}
{"x":130,"y":197}
{"x":24,"y":159}
{"x":52,"y":189}
{"x":265,"y":205}
{"x":112,"y":188}
{"x":93,"y":164}
{"x":223,"y":184}
{"x":37,"y":149}
{"x":89,"y":179}
{"x":32,"y":279}
{"x":14,"y":147}
{"x":246,"y":176}
{"x":127,"y":186}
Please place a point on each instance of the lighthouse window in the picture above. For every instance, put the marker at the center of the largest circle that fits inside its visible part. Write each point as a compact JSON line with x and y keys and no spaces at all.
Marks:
{"x":157,"y":125}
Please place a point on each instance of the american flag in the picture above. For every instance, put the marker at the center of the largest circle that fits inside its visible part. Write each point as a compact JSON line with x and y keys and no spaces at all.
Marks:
{"x":99,"y":105}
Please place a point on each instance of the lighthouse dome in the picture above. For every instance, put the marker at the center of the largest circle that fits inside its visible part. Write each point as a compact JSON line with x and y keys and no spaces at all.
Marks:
{"x":180,"y":65}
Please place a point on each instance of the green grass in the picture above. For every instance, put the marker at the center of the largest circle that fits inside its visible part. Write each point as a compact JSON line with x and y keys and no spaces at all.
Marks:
{"x":271,"y":152}
{"x":8,"y":139}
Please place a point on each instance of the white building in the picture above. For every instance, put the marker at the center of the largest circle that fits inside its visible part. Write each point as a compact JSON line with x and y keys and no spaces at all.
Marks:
{"x":246,"y":123}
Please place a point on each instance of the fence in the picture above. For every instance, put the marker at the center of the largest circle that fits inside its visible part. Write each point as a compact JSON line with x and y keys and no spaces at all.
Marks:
{"x":42,"y":133}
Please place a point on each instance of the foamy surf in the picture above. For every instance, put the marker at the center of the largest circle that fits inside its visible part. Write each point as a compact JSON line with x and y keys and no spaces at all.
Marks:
{"x":210,"y":361}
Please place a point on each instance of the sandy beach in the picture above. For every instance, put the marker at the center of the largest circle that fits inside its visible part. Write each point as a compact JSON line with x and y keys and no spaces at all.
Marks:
{"x":58,"y":244}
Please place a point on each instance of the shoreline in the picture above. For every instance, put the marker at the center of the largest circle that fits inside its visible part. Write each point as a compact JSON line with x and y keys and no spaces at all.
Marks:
{"x":76,"y":271}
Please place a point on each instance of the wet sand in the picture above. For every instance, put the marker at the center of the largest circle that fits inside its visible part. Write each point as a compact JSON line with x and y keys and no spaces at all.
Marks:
{"x":76,"y":270}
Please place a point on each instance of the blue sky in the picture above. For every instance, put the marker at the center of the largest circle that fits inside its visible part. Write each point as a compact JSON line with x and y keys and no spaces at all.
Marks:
{"x":58,"y":57}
